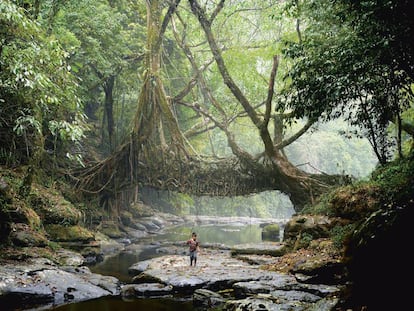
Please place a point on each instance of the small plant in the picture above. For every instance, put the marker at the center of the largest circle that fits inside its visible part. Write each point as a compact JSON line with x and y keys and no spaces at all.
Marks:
{"x":306,"y":239}
{"x":340,"y":233}
{"x":54,"y":246}
{"x":322,"y":207}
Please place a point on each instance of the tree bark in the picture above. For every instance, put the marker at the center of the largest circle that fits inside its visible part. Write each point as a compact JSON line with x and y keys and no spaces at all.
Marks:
{"x":109,"y":104}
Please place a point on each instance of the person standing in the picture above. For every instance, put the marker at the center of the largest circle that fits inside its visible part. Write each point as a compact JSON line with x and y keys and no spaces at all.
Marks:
{"x":193,"y":248}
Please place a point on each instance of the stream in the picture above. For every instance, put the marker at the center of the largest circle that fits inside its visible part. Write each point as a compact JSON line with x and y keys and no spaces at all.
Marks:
{"x":228,"y":234}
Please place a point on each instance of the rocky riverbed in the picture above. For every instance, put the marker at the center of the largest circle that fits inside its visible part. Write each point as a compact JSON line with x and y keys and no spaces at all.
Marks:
{"x":221,"y":280}
{"x":240,"y":277}
{"x":39,"y":283}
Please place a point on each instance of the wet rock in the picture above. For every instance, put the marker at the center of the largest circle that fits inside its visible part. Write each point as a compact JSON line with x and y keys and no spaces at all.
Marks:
{"x":215,"y":270}
{"x":262,"y":303}
{"x":23,"y":235}
{"x":265,"y":285}
{"x":284,"y":282}
{"x":149,"y":224}
{"x":92,"y":257}
{"x":108,"y":246}
{"x":326,"y":304}
{"x":18,"y":297}
{"x":294,"y":295}
{"x":69,"y":258}
{"x":41,"y":282}
{"x":204,"y":298}
{"x":139,"y":267}
{"x":186,"y":283}
{"x":107,"y":282}
{"x":146,"y":290}
{"x":134,"y":234}
{"x":256,"y":259}
{"x":263,"y":248}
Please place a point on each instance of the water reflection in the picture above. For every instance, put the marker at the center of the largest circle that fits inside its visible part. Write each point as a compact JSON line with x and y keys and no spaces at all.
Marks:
{"x":222,"y":234}
{"x":230,"y":235}
{"x":117,"y":304}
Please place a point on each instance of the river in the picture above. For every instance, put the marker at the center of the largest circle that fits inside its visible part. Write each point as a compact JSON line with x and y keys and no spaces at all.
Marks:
{"x":227,"y":234}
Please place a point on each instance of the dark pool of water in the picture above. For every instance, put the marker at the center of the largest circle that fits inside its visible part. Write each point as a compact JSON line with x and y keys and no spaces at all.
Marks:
{"x":117,"y":304}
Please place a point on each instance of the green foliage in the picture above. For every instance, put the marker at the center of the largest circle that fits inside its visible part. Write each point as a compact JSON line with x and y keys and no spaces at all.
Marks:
{"x":348,"y":155}
{"x":104,"y":41}
{"x":37,"y":88}
{"x":340,"y":70}
{"x":322,"y":207}
{"x":396,"y":181}
{"x":305,"y":239}
{"x":339,"y":234}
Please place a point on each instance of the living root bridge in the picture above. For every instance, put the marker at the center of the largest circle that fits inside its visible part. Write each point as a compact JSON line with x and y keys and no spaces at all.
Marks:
{"x":133,"y":165}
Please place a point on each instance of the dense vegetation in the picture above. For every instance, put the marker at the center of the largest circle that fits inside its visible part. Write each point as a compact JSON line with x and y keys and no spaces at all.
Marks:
{"x":297,"y":90}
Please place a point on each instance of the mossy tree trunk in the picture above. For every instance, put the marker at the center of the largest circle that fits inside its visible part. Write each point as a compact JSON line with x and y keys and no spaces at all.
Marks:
{"x":155,"y":126}
{"x":37,"y":152}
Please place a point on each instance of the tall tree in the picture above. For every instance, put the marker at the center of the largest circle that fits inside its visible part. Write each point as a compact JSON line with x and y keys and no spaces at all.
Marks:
{"x":158,"y":145}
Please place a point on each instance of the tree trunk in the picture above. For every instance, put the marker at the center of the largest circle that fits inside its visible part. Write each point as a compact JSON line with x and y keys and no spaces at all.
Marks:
{"x":37,"y":151}
{"x":109,"y":104}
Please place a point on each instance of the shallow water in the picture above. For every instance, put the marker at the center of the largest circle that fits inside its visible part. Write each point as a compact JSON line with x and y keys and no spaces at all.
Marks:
{"x":222,"y":234}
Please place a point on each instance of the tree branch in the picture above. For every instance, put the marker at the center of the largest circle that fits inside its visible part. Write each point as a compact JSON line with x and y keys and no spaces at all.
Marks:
{"x":271,"y":91}
{"x":167,"y":17}
{"x":294,"y":137}
{"x":206,"y":25}
{"x":216,"y":11}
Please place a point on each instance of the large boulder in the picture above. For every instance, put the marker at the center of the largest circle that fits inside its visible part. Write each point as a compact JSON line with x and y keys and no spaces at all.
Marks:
{"x":53,"y":208}
{"x":40,"y":283}
{"x":300,"y":230}
{"x":61,"y":233}
{"x":23,"y":235}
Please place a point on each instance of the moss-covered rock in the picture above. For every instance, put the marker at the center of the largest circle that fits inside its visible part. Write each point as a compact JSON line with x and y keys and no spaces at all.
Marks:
{"x":354,"y":202}
{"x":270,"y":232}
{"x":300,"y":230}
{"x":23,"y":235}
{"x":61,"y":233}
{"x":53,"y":208}
{"x":139,"y":209}
{"x":127,"y":218}
{"x":111,"y":229}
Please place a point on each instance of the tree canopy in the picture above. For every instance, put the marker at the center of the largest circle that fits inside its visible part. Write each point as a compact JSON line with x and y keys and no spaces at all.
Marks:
{"x":201,"y":96}
{"x":352,"y":62}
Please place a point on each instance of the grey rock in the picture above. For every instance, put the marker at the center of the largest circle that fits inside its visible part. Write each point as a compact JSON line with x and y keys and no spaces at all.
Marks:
{"x":146,"y":290}
{"x":207,"y":298}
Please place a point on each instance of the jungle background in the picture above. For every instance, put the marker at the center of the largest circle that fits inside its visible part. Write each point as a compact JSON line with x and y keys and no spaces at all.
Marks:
{"x":202,"y":107}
